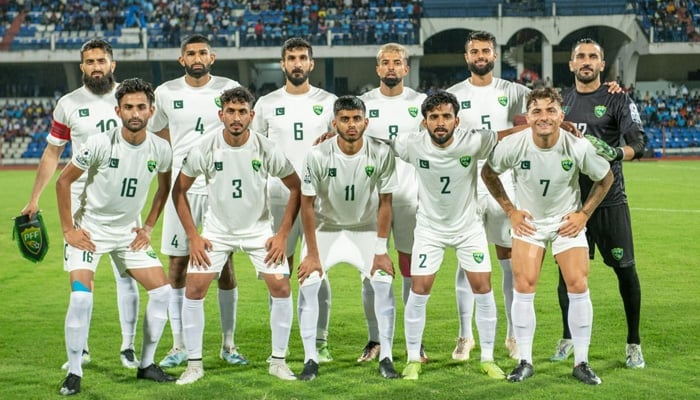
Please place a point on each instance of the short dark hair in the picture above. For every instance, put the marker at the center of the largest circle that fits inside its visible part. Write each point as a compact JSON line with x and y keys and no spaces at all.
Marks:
{"x":481,"y":36}
{"x":544,"y":93}
{"x":297,"y":43}
{"x":135,"y":85}
{"x":436,"y":99}
{"x":348,"y":103}
{"x":196,"y":38}
{"x":96,"y":44}
{"x":587,"y":41}
{"x":237,"y":95}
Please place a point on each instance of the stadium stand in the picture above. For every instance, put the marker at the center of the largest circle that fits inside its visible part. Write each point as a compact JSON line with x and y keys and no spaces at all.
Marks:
{"x":160,"y":24}
{"x":670,"y":21}
{"x":672,"y":118}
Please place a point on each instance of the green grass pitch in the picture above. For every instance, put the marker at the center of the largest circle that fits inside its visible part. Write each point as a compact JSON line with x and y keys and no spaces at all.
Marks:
{"x":666,"y":216}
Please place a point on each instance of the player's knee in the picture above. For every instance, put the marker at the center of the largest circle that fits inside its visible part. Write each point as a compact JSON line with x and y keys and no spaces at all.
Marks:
{"x":577,"y":284}
{"x":196,"y":289}
{"x":421,"y":286}
{"x":280,"y":288}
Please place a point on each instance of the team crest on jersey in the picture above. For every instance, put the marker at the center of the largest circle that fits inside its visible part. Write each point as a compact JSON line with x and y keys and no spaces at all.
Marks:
{"x":178,"y":104}
{"x":466,"y":104}
{"x":374,"y":113}
{"x":114,"y":163}
{"x":151,"y":253}
{"x":424,"y":164}
{"x":219,"y":165}
{"x":478,"y":256}
{"x":331,"y":172}
{"x":566,"y":109}
{"x":84,"y":112}
{"x":318,"y":109}
{"x":256,"y":165}
{"x":84,"y":157}
{"x":567,"y":164}
{"x":599,"y":111}
{"x":617,"y":253}
{"x":279,"y":111}
{"x":503,"y":100}
{"x":525,"y":164}
{"x":465,"y":161}
{"x":151,"y":165}
{"x":413,"y":111}
{"x":217,"y":101}
{"x":369,"y":170}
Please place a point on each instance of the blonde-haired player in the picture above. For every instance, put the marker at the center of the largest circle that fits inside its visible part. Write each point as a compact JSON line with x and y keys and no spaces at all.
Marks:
{"x":394,"y":109}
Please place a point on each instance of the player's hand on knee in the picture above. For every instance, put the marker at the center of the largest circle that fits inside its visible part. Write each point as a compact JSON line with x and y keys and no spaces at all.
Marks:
{"x":307,"y":267}
{"x":276,"y":247}
{"x":382,"y":262}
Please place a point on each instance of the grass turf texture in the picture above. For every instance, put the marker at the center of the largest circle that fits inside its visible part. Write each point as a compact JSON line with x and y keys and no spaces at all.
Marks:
{"x":665,"y":213}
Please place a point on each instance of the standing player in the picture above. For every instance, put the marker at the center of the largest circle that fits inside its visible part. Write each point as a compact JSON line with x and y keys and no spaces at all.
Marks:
{"x":547,"y":164}
{"x":393,"y":109}
{"x":608,"y":118}
{"x":120,"y":165}
{"x":293,"y":116}
{"x":186,"y":108}
{"x":343,"y":175}
{"x":445,"y":161}
{"x":237,"y":218}
{"x":86,"y":111}
{"x":490,"y":103}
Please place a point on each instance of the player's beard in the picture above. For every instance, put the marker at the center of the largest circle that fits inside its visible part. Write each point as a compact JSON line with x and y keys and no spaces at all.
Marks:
{"x":133,"y":129}
{"x":297,"y":80}
{"x":99,"y":85}
{"x":441,"y":139}
{"x":392,"y":81}
{"x":235,"y":133}
{"x":587,"y":78}
{"x":348,"y":138}
{"x":481,"y":71}
{"x":197,"y":73}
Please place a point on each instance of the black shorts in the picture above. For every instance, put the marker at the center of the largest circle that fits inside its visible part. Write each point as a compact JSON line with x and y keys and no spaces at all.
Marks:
{"x":610,"y":229}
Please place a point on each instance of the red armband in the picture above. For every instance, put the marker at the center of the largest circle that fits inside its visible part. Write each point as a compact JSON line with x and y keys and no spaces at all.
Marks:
{"x":60,"y":131}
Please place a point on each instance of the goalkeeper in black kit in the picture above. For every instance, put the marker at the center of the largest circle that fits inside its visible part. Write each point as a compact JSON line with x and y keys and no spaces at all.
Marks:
{"x":605,"y":119}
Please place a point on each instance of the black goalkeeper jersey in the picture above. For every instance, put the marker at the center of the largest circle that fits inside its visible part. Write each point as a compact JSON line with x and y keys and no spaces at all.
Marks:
{"x":609,"y":117}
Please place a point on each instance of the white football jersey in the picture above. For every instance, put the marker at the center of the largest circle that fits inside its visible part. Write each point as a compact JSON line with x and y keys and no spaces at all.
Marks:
{"x":392,"y":116}
{"x":293,"y":122}
{"x":119,"y":177}
{"x":79,"y":115}
{"x":188,"y":112}
{"x":236,"y":179}
{"x":346,"y":186}
{"x":547,"y":179}
{"x":490,"y":107}
{"x":447,"y":199}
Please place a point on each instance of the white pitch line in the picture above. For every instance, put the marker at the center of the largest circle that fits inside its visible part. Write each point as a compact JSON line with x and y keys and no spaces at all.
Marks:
{"x":665,"y":210}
